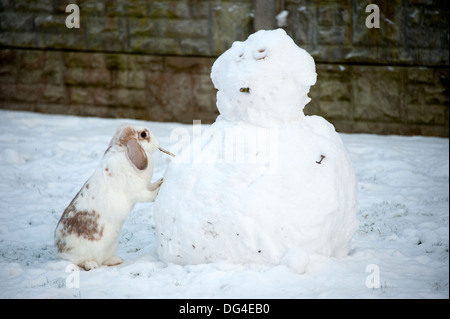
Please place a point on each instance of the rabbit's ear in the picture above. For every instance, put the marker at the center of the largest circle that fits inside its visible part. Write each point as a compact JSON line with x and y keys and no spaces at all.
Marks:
{"x":136,"y":154}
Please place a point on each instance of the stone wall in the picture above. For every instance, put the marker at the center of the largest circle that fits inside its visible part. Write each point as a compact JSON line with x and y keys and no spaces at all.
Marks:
{"x":152,"y":59}
{"x":391,"y":80}
{"x":158,"y":88}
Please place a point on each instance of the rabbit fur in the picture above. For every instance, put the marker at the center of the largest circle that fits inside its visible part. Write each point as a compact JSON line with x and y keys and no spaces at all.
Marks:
{"x":88,"y":232}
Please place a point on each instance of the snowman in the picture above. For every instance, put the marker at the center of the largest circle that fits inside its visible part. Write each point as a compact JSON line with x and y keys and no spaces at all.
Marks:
{"x":264,"y":183}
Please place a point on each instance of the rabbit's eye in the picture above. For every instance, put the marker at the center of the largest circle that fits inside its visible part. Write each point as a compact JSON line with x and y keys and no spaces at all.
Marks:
{"x":144,"y":134}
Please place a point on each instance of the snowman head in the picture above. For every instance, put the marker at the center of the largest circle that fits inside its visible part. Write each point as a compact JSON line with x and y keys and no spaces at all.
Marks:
{"x":264,"y":80}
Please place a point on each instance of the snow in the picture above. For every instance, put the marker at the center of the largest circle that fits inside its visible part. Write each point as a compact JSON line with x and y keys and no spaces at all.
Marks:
{"x":282,"y":18}
{"x":269,"y":180}
{"x":403,"y":236}
{"x":263,"y":80}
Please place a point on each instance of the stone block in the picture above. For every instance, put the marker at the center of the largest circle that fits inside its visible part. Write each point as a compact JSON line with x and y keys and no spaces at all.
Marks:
{"x":50,"y":23}
{"x":33,"y":6}
{"x":83,"y":60}
{"x":8,"y":57}
{"x":6,"y":39}
{"x":146,"y":63}
{"x":184,"y":28}
{"x":114,"y":62}
{"x":196,"y":46}
{"x":8,"y":73}
{"x":29,"y":76}
{"x":73,"y":39}
{"x":377,"y":94}
{"x":87,"y":77}
{"x":98,"y":25}
{"x":313,"y":107}
{"x":115,"y":8}
{"x":143,"y":27}
{"x":420,"y":75}
{"x":136,"y":8}
{"x":426,"y":86}
{"x":302,"y":25}
{"x":429,"y":114}
{"x":204,"y":93}
{"x":131,"y":98}
{"x":107,"y":34}
{"x":5,"y":5}
{"x":128,"y":79}
{"x":169,"y":9}
{"x":231,"y":21}
{"x":332,"y":94}
{"x":8,"y":91}
{"x":199,"y":9}
{"x":53,"y":71}
{"x":104,"y":96}
{"x":54,"y":94}
{"x":92,"y":8}
{"x":29,"y":93}
{"x":31,"y":60}
{"x":436,"y":18}
{"x":143,"y":44}
{"x":192,"y":65}
{"x":172,"y":94}
{"x":326,"y":16}
{"x":383,"y":128}
{"x":80,"y":95}
{"x":13,"y":21}
{"x":24,"y":40}
{"x":334,"y":35}
{"x":329,"y":14}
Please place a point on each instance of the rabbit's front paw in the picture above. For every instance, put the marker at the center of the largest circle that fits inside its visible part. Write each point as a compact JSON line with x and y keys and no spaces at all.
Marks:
{"x":156,"y":185}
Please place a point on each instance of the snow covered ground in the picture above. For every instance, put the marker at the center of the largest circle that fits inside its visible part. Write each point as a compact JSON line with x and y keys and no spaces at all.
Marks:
{"x":399,"y":251}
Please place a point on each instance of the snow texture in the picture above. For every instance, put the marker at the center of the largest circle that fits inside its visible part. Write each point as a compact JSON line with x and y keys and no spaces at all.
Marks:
{"x":403,"y":185}
{"x":269,"y":179}
{"x":282,"y":18}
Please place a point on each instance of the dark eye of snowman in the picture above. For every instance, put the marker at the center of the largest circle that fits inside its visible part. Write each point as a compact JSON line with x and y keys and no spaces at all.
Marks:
{"x":260,"y":54}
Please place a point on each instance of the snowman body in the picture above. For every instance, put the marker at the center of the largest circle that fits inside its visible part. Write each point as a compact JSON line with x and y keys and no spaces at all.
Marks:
{"x":264,"y":183}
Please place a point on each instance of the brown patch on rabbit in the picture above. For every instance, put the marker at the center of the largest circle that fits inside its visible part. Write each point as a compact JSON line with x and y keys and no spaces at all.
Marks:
{"x":126,"y":134}
{"x":61,"y":245}
{"x":81,"y":223}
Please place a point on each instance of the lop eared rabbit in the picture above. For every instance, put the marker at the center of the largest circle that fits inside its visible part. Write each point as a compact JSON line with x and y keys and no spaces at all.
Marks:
{"x":88,"y":232}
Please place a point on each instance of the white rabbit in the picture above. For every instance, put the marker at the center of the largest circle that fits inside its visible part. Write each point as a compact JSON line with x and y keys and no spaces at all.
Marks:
{"x":88,"y":232}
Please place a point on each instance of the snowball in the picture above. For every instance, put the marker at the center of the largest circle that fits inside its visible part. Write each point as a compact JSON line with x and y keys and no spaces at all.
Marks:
{"x":264,"y":178}
{"x":296,"y":259}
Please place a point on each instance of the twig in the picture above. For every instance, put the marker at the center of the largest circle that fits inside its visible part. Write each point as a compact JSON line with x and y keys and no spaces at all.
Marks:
{"x":321,"y":158}
{"x":167,"y":152}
